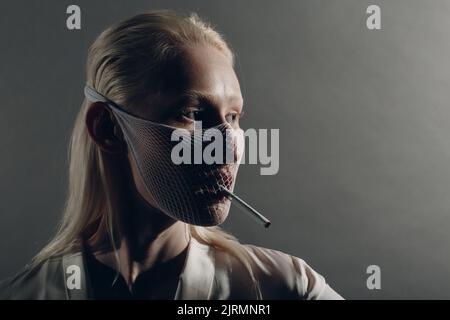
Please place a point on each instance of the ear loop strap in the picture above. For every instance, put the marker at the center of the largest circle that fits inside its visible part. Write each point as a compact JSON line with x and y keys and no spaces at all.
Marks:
{"x":94,"y":96}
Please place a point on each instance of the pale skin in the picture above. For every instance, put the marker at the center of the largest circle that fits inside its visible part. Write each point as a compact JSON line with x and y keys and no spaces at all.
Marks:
{"x":154,"y":242}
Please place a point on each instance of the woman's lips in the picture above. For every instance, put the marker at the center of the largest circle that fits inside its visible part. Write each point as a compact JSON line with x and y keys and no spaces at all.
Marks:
{"x":208,"y":190}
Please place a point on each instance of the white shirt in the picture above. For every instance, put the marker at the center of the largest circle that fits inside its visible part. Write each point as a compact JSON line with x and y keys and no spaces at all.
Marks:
{"x":208,"y":273}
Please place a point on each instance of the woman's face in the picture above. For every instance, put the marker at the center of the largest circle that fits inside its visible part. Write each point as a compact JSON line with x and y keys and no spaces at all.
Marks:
{"x":205,"y":88}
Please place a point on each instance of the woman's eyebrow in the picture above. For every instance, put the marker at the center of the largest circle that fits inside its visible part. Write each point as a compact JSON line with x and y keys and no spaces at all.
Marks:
{"x":197,"y":97}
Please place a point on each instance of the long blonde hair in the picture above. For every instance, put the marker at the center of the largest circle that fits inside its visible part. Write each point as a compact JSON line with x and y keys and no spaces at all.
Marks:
{"x":123,"y":63}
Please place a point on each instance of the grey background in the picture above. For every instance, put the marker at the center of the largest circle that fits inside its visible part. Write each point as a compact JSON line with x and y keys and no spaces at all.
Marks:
{"x":363,"y":116}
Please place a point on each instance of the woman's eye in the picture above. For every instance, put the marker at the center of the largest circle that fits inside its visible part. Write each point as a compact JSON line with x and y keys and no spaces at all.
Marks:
{"x":232,"y":117}
{"x":195,"y":114}
{"x":192,"y":114}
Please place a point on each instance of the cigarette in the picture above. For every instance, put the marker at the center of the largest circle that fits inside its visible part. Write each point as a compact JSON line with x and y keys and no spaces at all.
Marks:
{"x":249,"y":209}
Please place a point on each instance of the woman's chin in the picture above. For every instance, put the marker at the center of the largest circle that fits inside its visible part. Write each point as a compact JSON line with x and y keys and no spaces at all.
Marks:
{"x":213,"y":214}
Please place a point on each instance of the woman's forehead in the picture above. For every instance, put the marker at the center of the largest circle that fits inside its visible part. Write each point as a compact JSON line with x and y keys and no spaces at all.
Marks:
{"x":209,"y":73}
{"x":206,"y":76}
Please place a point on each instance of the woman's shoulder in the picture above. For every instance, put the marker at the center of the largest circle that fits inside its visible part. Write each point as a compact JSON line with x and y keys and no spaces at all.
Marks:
{"x":281,"y":275}
{"x":33,"y":281}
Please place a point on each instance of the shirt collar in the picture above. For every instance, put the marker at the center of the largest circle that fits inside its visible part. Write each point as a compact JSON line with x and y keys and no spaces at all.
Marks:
{"x":195,"y":281}
{"x":197,"y":276}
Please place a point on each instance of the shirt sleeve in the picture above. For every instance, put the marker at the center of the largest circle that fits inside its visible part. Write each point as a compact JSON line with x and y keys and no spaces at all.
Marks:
{"x":311,"y":285}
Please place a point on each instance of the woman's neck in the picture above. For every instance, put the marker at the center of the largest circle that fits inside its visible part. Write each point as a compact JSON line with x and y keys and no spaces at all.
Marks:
{"x":138,"y":256}
{"x":150,"y":238}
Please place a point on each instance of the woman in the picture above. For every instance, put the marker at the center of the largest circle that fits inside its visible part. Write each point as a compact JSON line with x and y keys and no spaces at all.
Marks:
{"x":137,"y":226}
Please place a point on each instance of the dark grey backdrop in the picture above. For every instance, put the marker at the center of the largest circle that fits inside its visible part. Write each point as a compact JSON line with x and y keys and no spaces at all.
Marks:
{"x":363,"y":116}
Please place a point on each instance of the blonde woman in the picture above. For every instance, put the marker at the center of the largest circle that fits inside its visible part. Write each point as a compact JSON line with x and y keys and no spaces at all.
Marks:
{"x":137,"y":226}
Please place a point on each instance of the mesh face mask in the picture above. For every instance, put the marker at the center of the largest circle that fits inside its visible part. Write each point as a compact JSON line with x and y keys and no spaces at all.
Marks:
{"x":187,"y":191}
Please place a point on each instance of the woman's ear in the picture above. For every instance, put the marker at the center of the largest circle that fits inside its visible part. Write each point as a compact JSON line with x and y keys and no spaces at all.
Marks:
{"x":103,"y":128}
